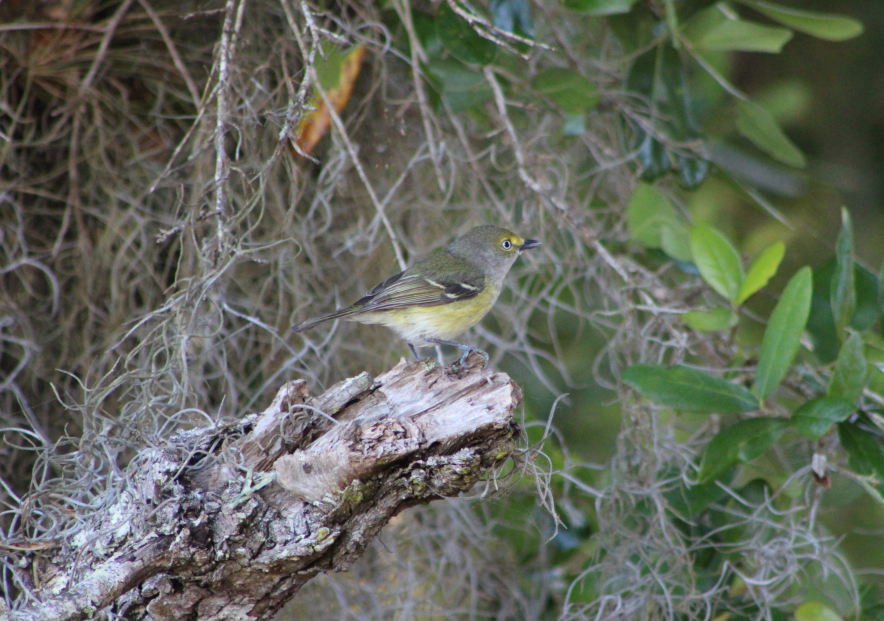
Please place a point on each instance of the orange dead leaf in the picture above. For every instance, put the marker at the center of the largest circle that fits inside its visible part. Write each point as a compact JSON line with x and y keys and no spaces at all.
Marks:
{"x":314,"y":125}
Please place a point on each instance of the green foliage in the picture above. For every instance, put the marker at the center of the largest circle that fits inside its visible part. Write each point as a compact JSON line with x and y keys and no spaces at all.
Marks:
{"x":566,"y":88}
{"x":838,"y":304}
{"x":821,"y":324}
{"x":718,"y":261}
{"x":689,"y":390}
{"x":461,"y":39}
{"x":762,"y":270}
{"x":513,"y":16}
{"x":461,"y":87}
{"x":729,"y":35}
{"x":783,"y":334}
{"x":757,"y":124}
{"x":713,"y":320}
{"x":814,"y":418}
{"x":741,"y":443}
{"x":653,"y":222}
{"x":863,"y":449}
{"x":660,"y":77}
{"x":826,"y":26}
{"x":816,"y":611}
{"x":849,"y":376}
{"x":599,"y":7}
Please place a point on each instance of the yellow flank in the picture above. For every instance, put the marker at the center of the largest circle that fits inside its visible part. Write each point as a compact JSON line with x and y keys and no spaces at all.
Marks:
{"x":444,"y":322}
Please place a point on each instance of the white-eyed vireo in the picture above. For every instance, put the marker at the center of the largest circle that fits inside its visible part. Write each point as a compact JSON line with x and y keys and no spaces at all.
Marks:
{"x":443,"y":295}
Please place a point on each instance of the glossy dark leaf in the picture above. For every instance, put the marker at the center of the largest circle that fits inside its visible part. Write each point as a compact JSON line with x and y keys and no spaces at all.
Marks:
{"x":689,"y":390}
{"x":821,"y":324}
{"x":640,"y":78}
{"x":653,"y":157}
{"x":863,"y":450}
{"x":692,"y":170}
{"x":513,"y":16}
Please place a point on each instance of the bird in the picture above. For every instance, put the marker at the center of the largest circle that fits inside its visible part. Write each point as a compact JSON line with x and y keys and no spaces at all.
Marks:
{"x":441,"y":296}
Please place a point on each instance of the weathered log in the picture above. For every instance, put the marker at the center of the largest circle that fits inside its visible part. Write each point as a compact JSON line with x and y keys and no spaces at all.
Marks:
{"x":228,"y":523}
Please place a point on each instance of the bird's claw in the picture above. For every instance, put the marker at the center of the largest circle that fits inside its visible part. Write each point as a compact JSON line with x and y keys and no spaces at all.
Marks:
{"x":467,"y":353}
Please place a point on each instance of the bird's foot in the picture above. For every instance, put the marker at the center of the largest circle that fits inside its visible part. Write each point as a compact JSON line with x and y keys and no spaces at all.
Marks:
{"x":473,"y":357}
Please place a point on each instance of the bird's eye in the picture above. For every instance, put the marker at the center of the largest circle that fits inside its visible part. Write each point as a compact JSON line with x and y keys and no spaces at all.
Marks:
{"x":507,"y":244}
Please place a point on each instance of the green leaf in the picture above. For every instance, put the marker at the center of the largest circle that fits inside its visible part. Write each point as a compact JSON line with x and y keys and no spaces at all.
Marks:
{"x":641,"y":80}
{"x":813,"y":418}
{"x":850,"y":373}
{"x":863,"y":450}
{"x":675,"y":115}
{"x":328,"y":65}
{"x":634,"y":30}
{"x":425,"y":29}
{"x":653,"y":157}
{"x":567,"y":88}
{"x":783,"y":334}
{"x":733,"y":35}
{"x":761,"y":271}
{"x":717,"y":260}
{"x":459,"y":38}
{"x":756,"y":124}
{"x":513,"y":16}
{"x":689,"y":390}
{"x":599,"y":7}
{"x":461,"y":87}
{"x":688,"y":502}
{"x":843,"y":289}
{"x":821,"y":324}
{"x":742,"y":442}
{"x":821,"y":25}
{"x":675,"y":239}
{"x":712,"y":320}
{"x":647,"y":213}
{"x":815,"y":611}
{"x":692,"y":170}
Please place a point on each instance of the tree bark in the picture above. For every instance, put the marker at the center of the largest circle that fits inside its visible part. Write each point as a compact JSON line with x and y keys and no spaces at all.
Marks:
{"x":228,"y":523}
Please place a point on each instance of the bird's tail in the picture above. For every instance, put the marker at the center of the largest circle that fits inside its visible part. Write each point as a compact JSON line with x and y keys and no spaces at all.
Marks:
{"x":306,"y":325}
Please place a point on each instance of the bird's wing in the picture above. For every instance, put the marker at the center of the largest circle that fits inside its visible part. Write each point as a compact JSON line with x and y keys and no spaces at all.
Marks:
{"x":406,"y":289}
{"x":411,"y":288}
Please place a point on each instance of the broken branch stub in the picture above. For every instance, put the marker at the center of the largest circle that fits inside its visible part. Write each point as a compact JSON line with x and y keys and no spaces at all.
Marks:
{"x":228,"y":523}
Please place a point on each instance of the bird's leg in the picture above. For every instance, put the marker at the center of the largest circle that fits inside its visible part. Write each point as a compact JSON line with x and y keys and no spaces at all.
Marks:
{"x":414,"y":351}
{"x":466,"y":349}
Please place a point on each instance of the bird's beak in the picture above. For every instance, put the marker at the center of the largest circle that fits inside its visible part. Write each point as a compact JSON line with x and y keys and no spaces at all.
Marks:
{"x":530,"y":244}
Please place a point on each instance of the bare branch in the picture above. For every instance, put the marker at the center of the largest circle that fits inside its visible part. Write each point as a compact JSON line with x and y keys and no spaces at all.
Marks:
{"x":245,"y":514}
